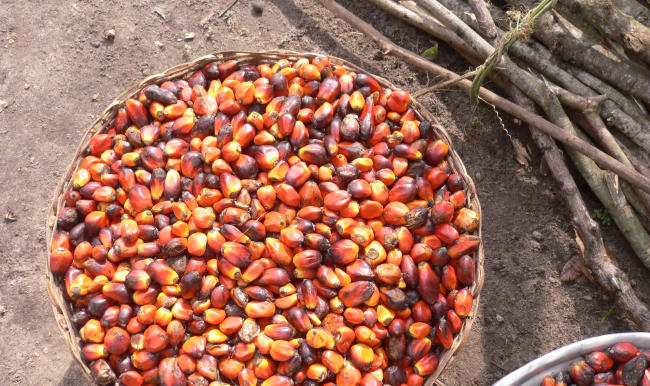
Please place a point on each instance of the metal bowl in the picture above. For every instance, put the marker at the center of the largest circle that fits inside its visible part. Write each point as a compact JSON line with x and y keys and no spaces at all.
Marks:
{"x":532,"y":373}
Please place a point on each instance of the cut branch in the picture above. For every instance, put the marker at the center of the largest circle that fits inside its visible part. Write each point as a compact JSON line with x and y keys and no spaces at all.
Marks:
{"x":602,"y":14}
{"x":577,"y":81}
{"x":485,"y":23}
{"x":554,"y":33}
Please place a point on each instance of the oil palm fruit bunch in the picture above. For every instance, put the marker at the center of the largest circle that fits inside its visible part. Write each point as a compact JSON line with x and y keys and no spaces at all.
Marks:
{"x":621,"y":364}
{"x":278,"y":224}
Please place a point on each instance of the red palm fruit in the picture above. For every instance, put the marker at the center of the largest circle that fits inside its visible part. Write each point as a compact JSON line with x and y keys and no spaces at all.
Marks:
{"x":417,"y":348}
{"x":465,"y":269}
{"x":436,"y":177}
{"x":102,"y":372}
{"x":288,"y":195}
{"x":131,"y":378}
{"x":117,"y":340}
{"x":215,"y":240}
{"x":253,"y":271}
{"x":155,"y":338}
{"x":420,"y":252}
{"x":309,"y":294}
{"x":465,"y":245}
{"x":442,"y":212}
{"x":278,"y":251}
{"x":455,"y":322}
{"x":327,"y":277}
{"x":428,"y":283}
{"x":366,"y":336}
{"x":333,"y":361}
{"x":419,"y":330}
{"x":449,"y":279}
{"x":291,"y":237}
{"x":117,"y":292}
{"x":256,"y":309}
{"x":581,"y":373}
{"x":421,"y":312}
{"x":161,"y":273}
{"x":323,"y":115}
{"x":463,"y":302}
{"x":353,"y":316}
{"x":313,"y":154}
{"x":343,"y":337}
{"x":443,"y":333}
{"x":234,"y":216}
{"x":140,"y":198}
{"x":228,"y":269}
{"x":279,"y":331}
{"x":622,"y":352}
{"x":230,"y":185}
{"x":446,"y":233}
{"x":231,"y":324}
{"x":274,"y":276}
{"x":359,"y":189}
{"x":426,"y":365}
{"x":329,"y":90}
{"x":398,"y":101}
{"x":458,"y":199}
{"x":279,"y":171}
{"x":599,"y":361}
{"x":195,"y":346}
{"x":348,"y":375}
{"x":395,"y":213}
{"x":137,"y":112}
{"x":298,"y":174}
{"x":307,"y":259}
{"x":60,"y":260}
{"x":299,"y":319}
{"x":236,"y":254}
{"x":344,"y":252}
{"x":267,"y":195}
{"x":357,"y":293}
{"x":247,"y":377}
{"x":436,"y":152}
{"x":388,"y":273}
{"x":170,"y":372}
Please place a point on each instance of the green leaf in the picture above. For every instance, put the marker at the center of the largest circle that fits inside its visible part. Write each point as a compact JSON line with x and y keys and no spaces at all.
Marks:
{"x":431,"y":53}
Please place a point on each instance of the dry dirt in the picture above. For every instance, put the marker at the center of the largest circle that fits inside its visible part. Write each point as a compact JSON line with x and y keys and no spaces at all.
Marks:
{"x":57,"y":73}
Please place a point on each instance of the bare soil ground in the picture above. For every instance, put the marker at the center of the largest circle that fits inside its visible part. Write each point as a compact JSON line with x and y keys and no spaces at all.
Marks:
{"x":58,"y":73}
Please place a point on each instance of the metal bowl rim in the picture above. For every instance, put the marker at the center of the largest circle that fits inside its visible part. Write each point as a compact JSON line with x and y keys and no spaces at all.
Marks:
{"x":531,"y":373}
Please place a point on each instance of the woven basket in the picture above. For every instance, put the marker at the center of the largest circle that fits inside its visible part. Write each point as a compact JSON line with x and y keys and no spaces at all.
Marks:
{"x":56,"y":286}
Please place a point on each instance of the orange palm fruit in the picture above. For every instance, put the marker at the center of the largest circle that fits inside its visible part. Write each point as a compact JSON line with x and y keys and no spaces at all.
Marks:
{"x":361,"y":356}
{"x":466,"y":220}
{"x":92,"y":332}
{"x":161,"y":273}
{"x":257,"y":309}
{"x":463,"y":302}
{"x":282,"y":350}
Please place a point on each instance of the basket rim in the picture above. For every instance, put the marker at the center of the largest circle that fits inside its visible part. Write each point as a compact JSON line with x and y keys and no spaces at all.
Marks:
{"x":56,"y":288}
